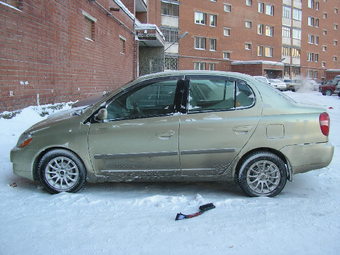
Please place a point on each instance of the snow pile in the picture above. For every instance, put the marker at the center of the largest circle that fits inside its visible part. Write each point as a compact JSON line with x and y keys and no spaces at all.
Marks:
{"x":139,"y":218}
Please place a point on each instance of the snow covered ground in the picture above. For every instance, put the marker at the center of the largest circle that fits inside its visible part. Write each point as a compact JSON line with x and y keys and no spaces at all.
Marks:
{"x":139,"y":218}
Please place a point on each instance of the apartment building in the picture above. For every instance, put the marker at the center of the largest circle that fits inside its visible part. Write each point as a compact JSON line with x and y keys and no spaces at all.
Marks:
{"x":277,"y":38}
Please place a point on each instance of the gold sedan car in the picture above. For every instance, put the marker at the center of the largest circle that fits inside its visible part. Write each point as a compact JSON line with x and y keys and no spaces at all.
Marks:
{"x":179,"y":126}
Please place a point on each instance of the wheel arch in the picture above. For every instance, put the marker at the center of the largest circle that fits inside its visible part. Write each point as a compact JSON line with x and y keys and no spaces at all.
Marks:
{"x":264,"y":149}
{"x":45,"y":151}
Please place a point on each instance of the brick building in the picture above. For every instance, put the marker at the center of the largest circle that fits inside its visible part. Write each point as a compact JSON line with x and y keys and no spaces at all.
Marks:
{"x":58,"y":50}
{"x":277,"y":38}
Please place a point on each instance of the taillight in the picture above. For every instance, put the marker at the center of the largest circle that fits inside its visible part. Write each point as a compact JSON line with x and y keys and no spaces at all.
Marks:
{"x":324,"y":121}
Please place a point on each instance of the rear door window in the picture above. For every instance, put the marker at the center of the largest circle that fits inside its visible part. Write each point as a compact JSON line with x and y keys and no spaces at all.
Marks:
{"x":219,"y":95}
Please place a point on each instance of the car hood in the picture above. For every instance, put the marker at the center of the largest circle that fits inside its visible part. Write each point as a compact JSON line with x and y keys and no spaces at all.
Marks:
{"x":62,"y":116}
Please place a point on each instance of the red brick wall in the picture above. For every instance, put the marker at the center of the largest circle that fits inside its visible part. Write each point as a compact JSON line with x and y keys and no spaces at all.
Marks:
{"x":44,"y":52}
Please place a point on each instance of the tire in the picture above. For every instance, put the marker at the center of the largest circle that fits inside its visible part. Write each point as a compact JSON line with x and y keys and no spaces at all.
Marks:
{"x":262,"y":174}
{"x":327,"y":92}
{"x":61,"y":171}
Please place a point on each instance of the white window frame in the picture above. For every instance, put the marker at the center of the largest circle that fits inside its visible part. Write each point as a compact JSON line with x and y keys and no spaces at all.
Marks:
{"x":259,"y":50}
{"x":248,"y":24}
{"x":297,"y":14}
{"x":202,"y":43}
{"x":260,"y":29}
{"x":226,"y":31}
{"x":286,"y":12}
{"x":227,"y":7}
{"x":213,"y":20}
{"x":212,"y":44}
{"x":247,"y":46}
{"x":310,"y":39}
{"x":226,"y":54}
{"x":249,"y":2}
{"x":270,"y":9}
{"x":268,"y":51}
{"x":286,"y":32}
{"x":199,"y":65}
{"x":200,"y":17}
{"x":260,"y":7}
{"x":269,"y":31}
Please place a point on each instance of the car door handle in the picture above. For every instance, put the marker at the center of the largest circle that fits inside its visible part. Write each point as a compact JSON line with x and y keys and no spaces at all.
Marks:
{"x":242,"y":130}
{"x":165,"y":135}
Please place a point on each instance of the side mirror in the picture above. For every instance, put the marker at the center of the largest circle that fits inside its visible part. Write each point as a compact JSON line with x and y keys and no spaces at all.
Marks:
{"x":101,"y":115}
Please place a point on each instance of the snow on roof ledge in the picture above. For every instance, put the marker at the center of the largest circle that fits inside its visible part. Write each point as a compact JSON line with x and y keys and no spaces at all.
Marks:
{"x":256,"y":62}
{"x":123,"y":7}
{"x":332,"y":70}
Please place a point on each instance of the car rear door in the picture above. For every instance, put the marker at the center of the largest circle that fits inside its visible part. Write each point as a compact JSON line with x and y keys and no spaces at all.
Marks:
{"x":222,"y":115}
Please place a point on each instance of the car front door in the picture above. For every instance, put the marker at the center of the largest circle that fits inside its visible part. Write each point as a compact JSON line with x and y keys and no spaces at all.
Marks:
{"x":139,"y":138}
{"x":222,"y":116}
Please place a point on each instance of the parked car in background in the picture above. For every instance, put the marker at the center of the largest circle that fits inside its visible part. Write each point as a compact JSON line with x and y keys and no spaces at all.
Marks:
{"x":278,"y":84}
{"x":292,"y":85}
{"x":327,"y":89}
{"x":231,"y":126}
{"x":263,"y":79}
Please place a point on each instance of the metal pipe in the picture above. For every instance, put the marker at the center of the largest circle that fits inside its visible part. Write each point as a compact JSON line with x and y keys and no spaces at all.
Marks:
{"x":110,"y":14}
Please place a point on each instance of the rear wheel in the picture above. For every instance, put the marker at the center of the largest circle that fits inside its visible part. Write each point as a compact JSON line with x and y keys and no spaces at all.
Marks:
{"x":262,"y":174}
{"x":327,"y":92}
{"x":61,"y":171}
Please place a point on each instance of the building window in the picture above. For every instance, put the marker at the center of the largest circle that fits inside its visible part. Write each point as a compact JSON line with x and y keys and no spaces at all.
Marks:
{"x":325,"y":15}
{"x":317,"y":6}
{"x":260,"y":7}
{"x":311,"y":4}
{"x":213,"y":20}
{"x":324,"y":32}
{"x":212,"y":66}
{"x":336,"y":10}
{"x":315,"y":75}
{"x":335,"y":42}
{"x":316,"y":57}
{"x":227,"y":7}
{"x":171,"y":63}
{"x":249,"y":2}
{"x":296,"y":53}
{"x":248,"y":24}
{"x":309,"y":74}
{"x":316,"y":40}
{"x":226,"y":31}
{"x":269,"y":31}
{"x":89,"y":25}
{"x":286,"y":12}
{"x":323,"y":64}
{"x":269,"y":9}
{"x":199,"y":65}
{"x":310,"y":57}
{"x":285,"y":51}
{"x":316,"y":22}
{"x":335,"y":58}
{"x":268,"y":51}
{"x":311,"y":39}
{"x":170,"y":35}
{"x":296,"y":34}
{"x":297,"y":14}
{"x":324,"y":48}
{"x":310,"y":21}
{"x":260,"y":29}
{"x":259,"y":50}
{"x":200,"y":43}
{"x":286,"y":32}
{"x":200,"y":18}
{"x":247,"y":46}
{"x":212,"y":44}
{"x":170,"y":9}
{"x":335,"y":26}
{"x":122,"y":44}
{"x":226,"y":55}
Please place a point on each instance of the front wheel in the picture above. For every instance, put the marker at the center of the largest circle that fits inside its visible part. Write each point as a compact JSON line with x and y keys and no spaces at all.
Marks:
{"x":262,"y":174}
{"x":61,"y":171}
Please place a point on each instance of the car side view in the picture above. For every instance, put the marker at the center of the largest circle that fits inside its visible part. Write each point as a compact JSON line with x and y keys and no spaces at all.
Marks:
{"x":179,"y":126}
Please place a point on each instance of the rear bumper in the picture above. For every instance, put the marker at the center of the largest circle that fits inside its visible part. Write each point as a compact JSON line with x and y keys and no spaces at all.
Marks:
{"x":307,"y":157}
